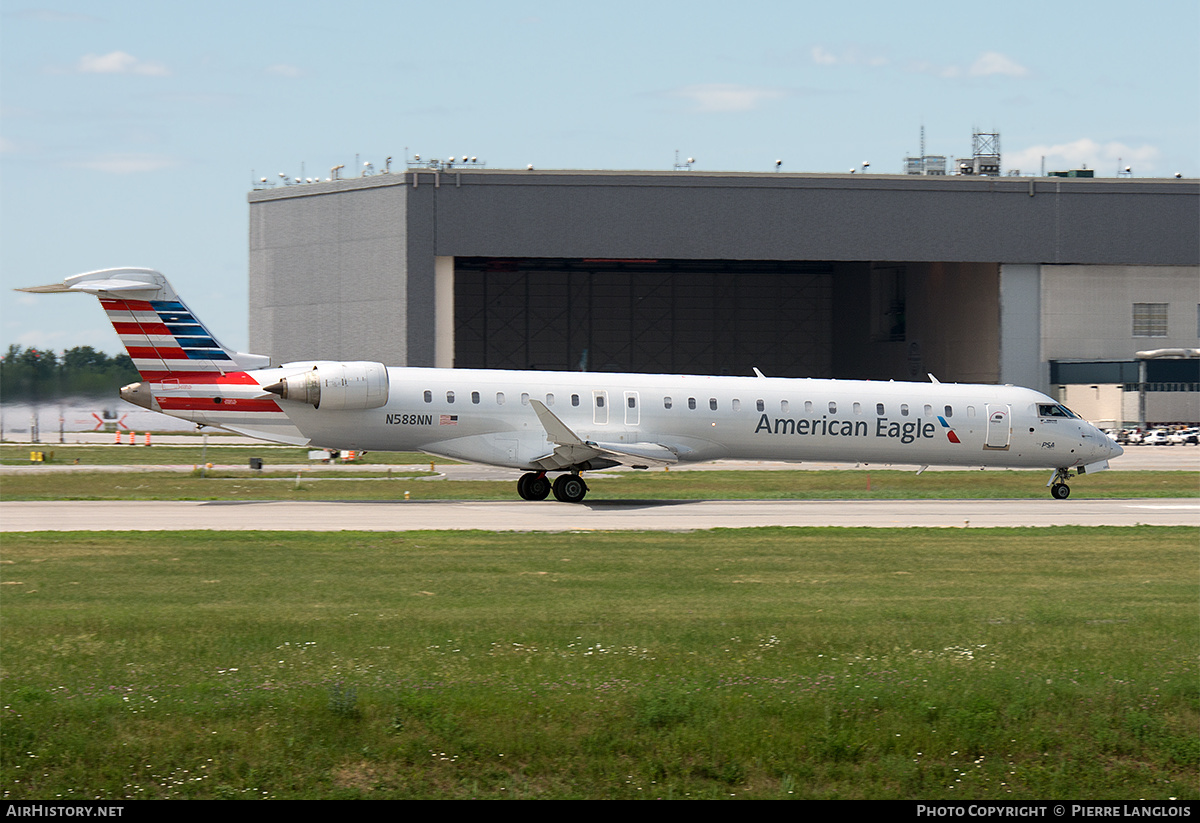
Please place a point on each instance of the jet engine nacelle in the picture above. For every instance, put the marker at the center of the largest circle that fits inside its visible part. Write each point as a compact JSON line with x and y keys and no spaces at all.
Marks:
{"x":336,"y":386}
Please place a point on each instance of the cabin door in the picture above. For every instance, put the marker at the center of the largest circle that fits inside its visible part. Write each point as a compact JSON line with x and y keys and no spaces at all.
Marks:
{"x":999,"y":427}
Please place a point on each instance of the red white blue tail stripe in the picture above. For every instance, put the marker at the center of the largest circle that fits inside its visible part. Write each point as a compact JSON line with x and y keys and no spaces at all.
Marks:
{"x":188,"y":372}
{"x":165,"y":341}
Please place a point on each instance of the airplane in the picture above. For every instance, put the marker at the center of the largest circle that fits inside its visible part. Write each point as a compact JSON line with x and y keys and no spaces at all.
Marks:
{"x":566,"y":423}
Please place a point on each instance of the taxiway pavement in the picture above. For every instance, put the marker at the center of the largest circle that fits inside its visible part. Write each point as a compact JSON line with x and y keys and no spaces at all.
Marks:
{"x":602,"y":515}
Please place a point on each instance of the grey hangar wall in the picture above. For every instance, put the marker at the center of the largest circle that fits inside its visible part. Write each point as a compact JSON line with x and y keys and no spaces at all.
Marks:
{"x":851,"y":276}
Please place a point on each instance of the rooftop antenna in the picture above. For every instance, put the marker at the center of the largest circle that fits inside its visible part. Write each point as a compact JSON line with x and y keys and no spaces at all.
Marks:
{"x":687,"y":166}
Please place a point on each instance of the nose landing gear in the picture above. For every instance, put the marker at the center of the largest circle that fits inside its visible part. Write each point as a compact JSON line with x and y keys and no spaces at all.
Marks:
{"x":1059,"y":489}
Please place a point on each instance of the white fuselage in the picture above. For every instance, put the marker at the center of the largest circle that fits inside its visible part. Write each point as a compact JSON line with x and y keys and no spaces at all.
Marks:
{"x":570,"y":422}
{"x":486,"y":416}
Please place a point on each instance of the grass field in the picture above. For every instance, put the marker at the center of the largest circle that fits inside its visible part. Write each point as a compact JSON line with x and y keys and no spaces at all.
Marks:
{"x":761,"y":663}
{"x":418,"y":482}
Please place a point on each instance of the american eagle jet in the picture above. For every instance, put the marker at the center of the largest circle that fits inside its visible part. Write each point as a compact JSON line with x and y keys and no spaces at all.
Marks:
{"x":564,"y":423}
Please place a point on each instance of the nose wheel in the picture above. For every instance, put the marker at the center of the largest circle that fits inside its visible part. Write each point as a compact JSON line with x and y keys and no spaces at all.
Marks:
{"x":1059,"y":489}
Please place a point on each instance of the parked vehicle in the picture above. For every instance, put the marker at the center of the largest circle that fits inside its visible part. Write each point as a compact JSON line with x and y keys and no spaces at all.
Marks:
{"x":1155,"y":437}
{"x":1184,"y":437}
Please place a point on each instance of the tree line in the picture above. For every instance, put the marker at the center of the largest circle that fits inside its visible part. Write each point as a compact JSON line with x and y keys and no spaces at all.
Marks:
{"x":40,"y":375}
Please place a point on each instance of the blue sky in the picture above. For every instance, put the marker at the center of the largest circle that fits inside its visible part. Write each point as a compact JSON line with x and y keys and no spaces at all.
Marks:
{"x":131,"y":132}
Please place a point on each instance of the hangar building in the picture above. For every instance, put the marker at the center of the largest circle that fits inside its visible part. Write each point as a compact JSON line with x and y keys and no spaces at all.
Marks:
{"x":1053,"y":283}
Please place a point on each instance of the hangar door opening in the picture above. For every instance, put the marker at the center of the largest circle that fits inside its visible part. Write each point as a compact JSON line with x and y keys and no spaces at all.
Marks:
{"x":650,"y":316}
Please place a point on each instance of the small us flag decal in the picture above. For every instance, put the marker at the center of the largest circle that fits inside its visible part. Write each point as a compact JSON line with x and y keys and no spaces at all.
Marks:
{"x":448,"y":420}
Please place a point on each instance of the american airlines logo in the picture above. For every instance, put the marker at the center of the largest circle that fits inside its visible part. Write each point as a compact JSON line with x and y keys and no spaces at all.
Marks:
{"x":950,"y":435}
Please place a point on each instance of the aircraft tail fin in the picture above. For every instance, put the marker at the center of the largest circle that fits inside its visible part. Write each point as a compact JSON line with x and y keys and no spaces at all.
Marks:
{"x":162,"y":335}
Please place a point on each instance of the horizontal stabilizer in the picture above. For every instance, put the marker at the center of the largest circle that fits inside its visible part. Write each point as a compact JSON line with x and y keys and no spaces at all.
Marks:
{"x":53,"y":288}
{"x":112,"y":281}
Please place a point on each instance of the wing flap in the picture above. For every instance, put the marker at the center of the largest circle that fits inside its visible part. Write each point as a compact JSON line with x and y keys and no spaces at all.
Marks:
{"x":571,"y":450}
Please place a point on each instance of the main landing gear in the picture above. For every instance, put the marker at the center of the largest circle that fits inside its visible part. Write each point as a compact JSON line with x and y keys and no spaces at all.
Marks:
{"x":534,"y":486}
{"x":567,"y":488}
{"x":1058,"y":484}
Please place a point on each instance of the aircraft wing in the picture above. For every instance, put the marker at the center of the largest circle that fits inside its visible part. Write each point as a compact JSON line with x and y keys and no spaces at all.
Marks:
{"x":571,"y":450}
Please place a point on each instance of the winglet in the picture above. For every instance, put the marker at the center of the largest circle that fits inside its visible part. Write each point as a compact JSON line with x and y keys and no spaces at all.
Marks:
{"x":556,"y":430}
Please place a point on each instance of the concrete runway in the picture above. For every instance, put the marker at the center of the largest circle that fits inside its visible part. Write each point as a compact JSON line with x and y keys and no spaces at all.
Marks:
{"x":549,"y":516}
{"x":621,"y":515}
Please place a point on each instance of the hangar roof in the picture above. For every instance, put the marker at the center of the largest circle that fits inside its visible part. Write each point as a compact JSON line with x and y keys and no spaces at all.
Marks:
{"x":783,"y":216}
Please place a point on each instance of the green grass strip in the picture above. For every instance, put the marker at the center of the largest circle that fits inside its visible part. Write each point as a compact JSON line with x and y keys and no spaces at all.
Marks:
{"x":1013,"y":664}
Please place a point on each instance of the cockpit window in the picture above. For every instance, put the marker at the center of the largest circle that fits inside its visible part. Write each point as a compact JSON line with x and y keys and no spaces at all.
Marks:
{"x":1054,"y":410}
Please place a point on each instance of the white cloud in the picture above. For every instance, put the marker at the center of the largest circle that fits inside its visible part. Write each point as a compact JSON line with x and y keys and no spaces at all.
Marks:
{"x":988,"y":63}
{"x":284,"y":70}
{"x":993,"y":62}
{"x":849,"y":56}
{"x":1106,"y":158}
{"x":727,"y":97}
{"x":822,"y":57}
{"x":119,"y":62}
{"x":126,"y":163}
